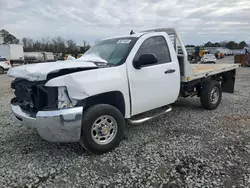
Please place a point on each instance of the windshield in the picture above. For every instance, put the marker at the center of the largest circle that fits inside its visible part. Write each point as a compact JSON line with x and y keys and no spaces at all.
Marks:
{"x":111,"y":51}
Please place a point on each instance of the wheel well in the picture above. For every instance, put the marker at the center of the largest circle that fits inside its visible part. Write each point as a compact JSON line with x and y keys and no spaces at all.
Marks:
{"x":114,"y":98}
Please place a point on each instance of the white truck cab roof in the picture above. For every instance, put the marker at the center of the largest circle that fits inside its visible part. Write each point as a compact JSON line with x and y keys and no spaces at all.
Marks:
{"x":135,"y":35}
{"x":169,"y":31}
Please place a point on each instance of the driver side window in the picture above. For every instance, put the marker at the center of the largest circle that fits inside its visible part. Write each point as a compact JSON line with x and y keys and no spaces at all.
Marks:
{"x":155,"y":45}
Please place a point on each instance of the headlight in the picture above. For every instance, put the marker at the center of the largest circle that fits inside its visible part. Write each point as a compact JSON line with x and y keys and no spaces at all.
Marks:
{"x":64,"y":101}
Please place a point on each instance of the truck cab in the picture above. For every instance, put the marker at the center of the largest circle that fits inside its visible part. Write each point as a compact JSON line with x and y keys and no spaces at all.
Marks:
{"x":90,"y":99}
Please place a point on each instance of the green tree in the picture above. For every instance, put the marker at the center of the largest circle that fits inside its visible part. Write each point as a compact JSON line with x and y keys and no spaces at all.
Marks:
{"x":208,"y":44}
{"x":8,"y":38}
{"x":217,"y":44}
{"x":231,"y":45}
{"x":242,"y":44}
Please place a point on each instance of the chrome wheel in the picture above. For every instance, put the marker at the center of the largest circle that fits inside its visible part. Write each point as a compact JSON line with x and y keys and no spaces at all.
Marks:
{"x":214,"y":96}
{"x":104,"y":130}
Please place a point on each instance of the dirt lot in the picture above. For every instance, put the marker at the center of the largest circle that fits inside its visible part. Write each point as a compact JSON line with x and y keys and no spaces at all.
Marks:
{"x":189,"y":147}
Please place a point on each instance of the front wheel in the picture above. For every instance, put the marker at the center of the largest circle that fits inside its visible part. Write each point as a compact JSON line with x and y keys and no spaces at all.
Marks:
{"x":210,"y":95}
{"x":103,"y":128}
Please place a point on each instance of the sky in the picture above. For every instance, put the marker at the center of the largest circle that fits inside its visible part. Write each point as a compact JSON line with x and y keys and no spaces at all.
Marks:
{"x":91,"y":20}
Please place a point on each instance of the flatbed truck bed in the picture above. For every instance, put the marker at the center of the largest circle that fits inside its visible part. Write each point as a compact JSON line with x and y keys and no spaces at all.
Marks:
{"x":205,"y":70}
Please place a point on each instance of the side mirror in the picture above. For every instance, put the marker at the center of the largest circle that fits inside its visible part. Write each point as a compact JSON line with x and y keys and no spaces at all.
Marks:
{"x":145,"y":59}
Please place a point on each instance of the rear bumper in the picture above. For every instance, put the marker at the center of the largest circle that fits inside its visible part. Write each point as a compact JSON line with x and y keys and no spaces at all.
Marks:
{"x":54,"y":126}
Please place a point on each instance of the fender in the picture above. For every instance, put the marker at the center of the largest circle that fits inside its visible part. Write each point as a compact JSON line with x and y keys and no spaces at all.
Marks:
{"x":84,"y":84}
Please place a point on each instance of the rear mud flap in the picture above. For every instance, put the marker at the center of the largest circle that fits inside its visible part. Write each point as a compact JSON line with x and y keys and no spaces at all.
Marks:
{"x":228,"y":81}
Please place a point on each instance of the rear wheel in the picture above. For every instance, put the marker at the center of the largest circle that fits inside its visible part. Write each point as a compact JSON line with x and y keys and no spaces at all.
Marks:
{"x":210,"y":95}
{"x":103,"y":128}
{"x":1,"y":70}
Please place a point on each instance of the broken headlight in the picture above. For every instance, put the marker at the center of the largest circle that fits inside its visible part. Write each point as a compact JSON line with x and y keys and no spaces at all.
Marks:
{"x":64,"y":101}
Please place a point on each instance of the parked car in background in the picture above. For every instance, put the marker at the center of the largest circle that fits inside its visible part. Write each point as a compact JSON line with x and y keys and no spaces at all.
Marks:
{"x":208,"y":58}
{"x":219,"y":54}
{"x":231,"y":52}
{"x":225,"y":51}
{"x":228,"y":53}
{"x":4,"y":65}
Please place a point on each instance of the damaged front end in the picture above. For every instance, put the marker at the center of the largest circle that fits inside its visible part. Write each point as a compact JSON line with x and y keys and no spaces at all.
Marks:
{"x":64,"y":100}
{"x":50,"y":110}
{"x":34,"y":96}
{"x":48,"y":98}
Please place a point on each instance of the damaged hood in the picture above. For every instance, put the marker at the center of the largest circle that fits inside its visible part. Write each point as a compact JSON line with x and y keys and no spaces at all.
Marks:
{"x":39,"y":71}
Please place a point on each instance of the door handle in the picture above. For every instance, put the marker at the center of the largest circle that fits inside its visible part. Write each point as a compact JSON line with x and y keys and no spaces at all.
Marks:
{"x":169,"y":71}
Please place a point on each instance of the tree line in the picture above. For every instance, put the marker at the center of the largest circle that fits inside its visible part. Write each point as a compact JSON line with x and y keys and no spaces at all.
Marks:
{"x":230,"y":45}
{"x":55,"y":44}
{"x":61,"y":45}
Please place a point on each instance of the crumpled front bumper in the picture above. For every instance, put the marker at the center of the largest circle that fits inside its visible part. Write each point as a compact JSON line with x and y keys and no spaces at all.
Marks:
{"x":55,"y":126}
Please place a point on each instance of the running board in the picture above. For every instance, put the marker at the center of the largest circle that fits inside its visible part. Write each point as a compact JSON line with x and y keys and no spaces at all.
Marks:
{"x":138,"y":121}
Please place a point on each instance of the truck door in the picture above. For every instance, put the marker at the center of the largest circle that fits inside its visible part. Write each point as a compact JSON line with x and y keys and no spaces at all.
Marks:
{"x":155,"y":85}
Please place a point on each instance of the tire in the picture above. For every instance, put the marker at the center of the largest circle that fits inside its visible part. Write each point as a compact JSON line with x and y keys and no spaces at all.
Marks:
{"x":208,"y":98}
{"x":96,"y":114}
{"x":1,"y":70}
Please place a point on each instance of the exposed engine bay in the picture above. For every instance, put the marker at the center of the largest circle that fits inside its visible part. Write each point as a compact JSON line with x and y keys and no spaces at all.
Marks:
{"x":33,"y":96}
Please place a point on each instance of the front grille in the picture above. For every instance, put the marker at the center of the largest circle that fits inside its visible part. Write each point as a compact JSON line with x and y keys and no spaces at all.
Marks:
{"x":34,"y":96}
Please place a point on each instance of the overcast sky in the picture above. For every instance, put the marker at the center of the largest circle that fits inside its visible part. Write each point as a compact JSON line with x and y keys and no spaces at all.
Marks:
{"x":198,"y":21}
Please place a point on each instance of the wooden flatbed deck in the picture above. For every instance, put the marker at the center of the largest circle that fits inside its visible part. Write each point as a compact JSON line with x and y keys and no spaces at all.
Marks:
{"x":204,"y":70}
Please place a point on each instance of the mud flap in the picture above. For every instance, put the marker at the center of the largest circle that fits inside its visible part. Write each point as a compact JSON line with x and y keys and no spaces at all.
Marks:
{"x":228,"y":81}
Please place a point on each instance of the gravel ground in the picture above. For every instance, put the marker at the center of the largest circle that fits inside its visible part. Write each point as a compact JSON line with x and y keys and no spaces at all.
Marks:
{"x":189,"y":147}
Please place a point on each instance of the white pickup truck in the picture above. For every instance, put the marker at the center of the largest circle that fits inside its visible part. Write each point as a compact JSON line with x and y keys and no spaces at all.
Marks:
{"x":90,"y":99}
